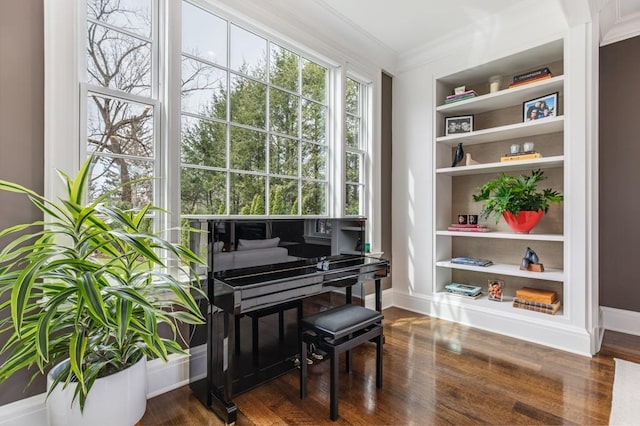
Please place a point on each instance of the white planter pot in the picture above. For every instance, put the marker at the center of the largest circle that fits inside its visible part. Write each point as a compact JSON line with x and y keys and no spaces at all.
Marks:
{"x":118,"y":399}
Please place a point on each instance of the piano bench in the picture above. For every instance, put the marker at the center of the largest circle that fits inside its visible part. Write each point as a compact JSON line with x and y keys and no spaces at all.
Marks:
{"x":335,"y":331}
{"x":256,"y":315}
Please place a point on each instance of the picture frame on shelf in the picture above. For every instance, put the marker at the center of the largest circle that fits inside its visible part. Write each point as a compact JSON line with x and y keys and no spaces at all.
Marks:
{"x":539,"y":108}
{"x":496,"y":290}
{"x":458,"y":124}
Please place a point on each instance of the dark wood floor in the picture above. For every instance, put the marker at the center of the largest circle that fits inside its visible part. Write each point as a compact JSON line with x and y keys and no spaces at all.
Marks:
{"x":435,"y":372}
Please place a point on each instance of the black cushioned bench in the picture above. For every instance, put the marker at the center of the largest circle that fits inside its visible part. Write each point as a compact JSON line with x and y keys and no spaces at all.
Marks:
{"x":335,"y":331}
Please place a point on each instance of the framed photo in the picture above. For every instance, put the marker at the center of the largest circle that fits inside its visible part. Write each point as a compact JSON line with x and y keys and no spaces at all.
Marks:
{"x":460,"y":124}
{"x":496,"y":287}
{"x":538,"y":108}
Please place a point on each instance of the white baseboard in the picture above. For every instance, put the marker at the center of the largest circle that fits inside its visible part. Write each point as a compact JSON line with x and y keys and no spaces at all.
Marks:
{"x":25,"y":412}
{"x":561,"y":336}
{"x":161,"y":377}
{"x":620,"y":320}
{"x":387,"y":299}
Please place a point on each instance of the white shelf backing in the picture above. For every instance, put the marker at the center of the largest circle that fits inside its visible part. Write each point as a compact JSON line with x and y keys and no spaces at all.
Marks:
{"x":505,"y":269}
{"x":507,"y":166}
{"x":542,"y":126}
{"x":504,"y":308}
{"x":504,"y":235}
{"x":497,"y":100}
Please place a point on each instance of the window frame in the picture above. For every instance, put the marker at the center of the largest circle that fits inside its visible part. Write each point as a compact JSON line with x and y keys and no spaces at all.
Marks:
{"x":364,"y":144}
{"x":155,"y":99}
{"x":65,"y":57}
{"x":303,"y":54}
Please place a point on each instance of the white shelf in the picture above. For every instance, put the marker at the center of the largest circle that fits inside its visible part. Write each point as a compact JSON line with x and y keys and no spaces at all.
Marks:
{"x":504,"y":269}
{"x":542,"y":126}
{"x":503,"y":308}
{"x":507,"y":166}
{"x":503,"y":235}
{"x":351,"y":228}
{"x":502,"y":98}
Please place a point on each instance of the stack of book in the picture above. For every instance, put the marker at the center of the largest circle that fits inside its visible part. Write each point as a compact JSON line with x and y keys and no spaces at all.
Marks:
{"x":531,"y":77}
{"x":465,"y":290}
{"x":460,"y":96}
{"x":472,"y":261}
{"x":520,"y":156}
{"x":534,"y":299}
{"x":467,"y":228}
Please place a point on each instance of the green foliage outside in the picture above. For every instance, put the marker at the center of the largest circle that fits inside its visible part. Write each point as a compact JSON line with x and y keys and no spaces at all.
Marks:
{"x":204,"y":144}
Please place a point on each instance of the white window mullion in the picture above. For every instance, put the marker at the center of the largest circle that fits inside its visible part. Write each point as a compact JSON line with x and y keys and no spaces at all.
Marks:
{"x":169,"y":72}
{"x":337,"y":150}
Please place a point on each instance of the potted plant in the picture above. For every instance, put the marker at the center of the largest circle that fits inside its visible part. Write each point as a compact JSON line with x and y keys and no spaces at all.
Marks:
{"x":86,"y":290}
{"x":517,"y":199}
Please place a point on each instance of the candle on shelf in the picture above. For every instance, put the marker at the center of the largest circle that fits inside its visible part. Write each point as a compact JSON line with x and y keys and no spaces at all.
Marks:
{"x":494,"y":83}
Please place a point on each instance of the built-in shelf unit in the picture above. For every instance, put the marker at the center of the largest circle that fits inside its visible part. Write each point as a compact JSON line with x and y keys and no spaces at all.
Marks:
{"x":498,"y":123}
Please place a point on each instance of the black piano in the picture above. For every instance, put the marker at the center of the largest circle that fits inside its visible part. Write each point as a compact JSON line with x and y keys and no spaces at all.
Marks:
{"x":233,"y":367}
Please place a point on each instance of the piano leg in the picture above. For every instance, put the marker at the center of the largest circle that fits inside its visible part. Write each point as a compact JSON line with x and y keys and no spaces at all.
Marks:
{"x":378,"y":295}
{"x":221,"y":362}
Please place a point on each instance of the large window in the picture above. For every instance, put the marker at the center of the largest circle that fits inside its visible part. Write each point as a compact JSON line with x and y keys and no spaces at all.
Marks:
{"x":120,"y":100}
{"x":254,"y":123}
{"x":355,"y":147}
{"x":258,"y":132}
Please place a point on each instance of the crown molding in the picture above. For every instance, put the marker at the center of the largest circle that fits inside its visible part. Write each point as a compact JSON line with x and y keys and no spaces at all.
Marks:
{"x":485,"y":34}
{"x":315,"y":25}
{"x":613,"y":26}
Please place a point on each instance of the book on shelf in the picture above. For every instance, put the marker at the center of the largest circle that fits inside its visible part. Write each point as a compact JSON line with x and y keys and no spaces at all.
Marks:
{"x":461,"y":229}
{"x":471,"y":261}
{"x":537,"y":295}
{"x":531,"y":74}
{"x":460,"y":97}
{"x":519,"y":157}
{"x":463,"y":94}
{"x":464,"y":296}
{"x":546,"y":308}
{"x":463,"y":289}
{"x":532,"y":80}
{"x":450,"y":101}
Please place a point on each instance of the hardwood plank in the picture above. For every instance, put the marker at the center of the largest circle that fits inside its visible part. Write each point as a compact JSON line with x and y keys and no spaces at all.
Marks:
{"x":435,"y":372}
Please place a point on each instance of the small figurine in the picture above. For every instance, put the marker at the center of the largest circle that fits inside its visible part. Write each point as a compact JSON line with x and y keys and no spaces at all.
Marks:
{"x":458,"y":156}
{"x":470,"y":161}
{"x":531,"y":262}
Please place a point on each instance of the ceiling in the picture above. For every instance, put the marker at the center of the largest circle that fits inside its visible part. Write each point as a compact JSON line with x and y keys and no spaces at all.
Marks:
{"x":393,"y":30}
{"x":403,"y":25}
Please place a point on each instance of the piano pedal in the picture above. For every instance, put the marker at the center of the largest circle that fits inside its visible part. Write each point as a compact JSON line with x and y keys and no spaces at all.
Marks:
{"x":315,"y":353}
{"x":296,"y":361}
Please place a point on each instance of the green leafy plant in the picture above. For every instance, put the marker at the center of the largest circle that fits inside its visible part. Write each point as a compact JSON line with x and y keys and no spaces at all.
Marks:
{"x":89,"y":285}
{"x":514,"y":194}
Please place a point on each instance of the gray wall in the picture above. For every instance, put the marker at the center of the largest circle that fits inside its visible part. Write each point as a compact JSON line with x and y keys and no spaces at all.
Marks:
{"x":386,"y":126}
{"x":21,"y":131}
{"x":620,"y":174}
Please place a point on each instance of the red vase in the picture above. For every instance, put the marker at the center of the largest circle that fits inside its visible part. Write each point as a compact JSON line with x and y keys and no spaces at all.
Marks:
{"x":524,"y":221}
